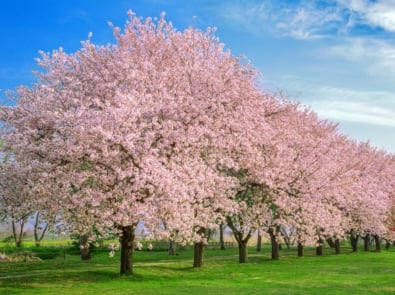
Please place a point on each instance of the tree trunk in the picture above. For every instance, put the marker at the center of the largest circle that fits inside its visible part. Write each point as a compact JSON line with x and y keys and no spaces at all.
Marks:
{"x":354,"y":241}
{"x":198,"y":250}
{"x":85,"y":248}
{"x":330,"y":242}
{"x":319,"y":249}
{"x":300,"y":249}
{"x":172,"y":247}
{"x":127,"y":240}
{"x":243,"y":251}
{"x":377,"y":242}
{"x":366,"y":242}
{"x":259,"y":242}
{"x":38,"y":237}
{"x":241,"y":241}
{"x":221,"y":236}
{"x":275,"y":245}
{"x":337,"y":246}
{"x":18,"y":236}
{"x":387,"y":244}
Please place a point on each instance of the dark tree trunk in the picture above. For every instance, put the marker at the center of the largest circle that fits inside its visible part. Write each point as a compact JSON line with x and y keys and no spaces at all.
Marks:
{"x":198,"y":250}
{"x":18,"y":236}
{"x":259,"y":242}
{"x":366,"y":242}
{"x":241,"y":241}
{"x":275,"y":245}
{"x":377,"y":242}
{"x":387,"y":244}
{"x":221,"y":236}
{"x":354,"y":241}
{"x":300,"y":249}
{"x":127,"y":240}
{"x":337,"y":246}
{"x":172,"y":247}
{"x":243,"y":251}
{"x":319,"y":249}
{"x":330,"y":242}
{"x":85,"y":248}
{"x":37,"y":236}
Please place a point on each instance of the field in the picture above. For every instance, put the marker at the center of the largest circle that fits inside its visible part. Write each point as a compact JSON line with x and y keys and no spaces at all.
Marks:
{"x":159,"y":273}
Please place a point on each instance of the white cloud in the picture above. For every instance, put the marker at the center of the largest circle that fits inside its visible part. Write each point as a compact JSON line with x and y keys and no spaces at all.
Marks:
{"x":351,"y":111}
{"x":378,"y":56}
{"x":379,"y":13}
{"x":347,"y":104}
{"x":311,"y":19}
{"x":303,"y":21}
{"x":307,"y":21}
{"x":342,"y":104}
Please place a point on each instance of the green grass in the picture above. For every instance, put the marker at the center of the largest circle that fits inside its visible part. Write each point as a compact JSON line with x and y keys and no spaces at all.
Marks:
{"x":158,"y":273}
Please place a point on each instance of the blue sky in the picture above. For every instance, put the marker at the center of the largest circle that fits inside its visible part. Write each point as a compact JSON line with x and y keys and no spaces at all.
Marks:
{"x":336,"y":56}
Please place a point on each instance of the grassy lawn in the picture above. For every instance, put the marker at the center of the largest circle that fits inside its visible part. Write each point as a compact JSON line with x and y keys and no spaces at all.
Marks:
{"x":158,"y":273}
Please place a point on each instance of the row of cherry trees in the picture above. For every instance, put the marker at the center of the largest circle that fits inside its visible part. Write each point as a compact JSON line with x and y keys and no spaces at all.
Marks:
{"x":169,"y":129}
{"x":16,"y":208}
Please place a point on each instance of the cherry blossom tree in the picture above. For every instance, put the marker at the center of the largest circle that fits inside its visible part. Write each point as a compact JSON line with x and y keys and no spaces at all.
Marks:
{"x":291,"y":170}
{"x":250,"y":206}
{"x":18,"y":202}
{"x":351,"y":195}
{"x":13,"y":201}
{"x":132,"y":131}
{"x":369,"y":206}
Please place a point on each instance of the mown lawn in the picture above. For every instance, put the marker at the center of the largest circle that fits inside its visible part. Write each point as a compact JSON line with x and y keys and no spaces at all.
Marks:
{"x":158,"y":273}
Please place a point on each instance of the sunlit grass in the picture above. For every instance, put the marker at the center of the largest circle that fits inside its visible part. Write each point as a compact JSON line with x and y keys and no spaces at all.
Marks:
{"x":159,"y":273}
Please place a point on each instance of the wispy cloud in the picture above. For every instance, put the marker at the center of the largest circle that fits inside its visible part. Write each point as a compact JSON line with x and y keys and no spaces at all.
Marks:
{"x":378,"y":55}
{"x":352,"y":111}
{"x":342,"y":104}
{"x":308,"y":21}
{"x":302,"y":21}
{"x":379,"y":13}
{"x":311,"y":19}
